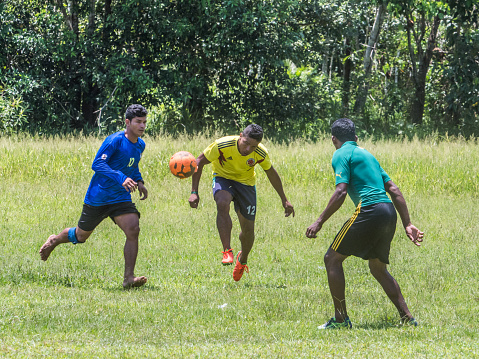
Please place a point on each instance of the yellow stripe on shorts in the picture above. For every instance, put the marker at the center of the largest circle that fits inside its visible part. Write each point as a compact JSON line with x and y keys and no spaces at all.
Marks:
{"x":345,"y":228}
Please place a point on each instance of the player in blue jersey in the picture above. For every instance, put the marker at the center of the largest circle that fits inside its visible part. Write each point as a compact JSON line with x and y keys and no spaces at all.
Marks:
{"x":369,"y":232}
{"x":109,"y":194}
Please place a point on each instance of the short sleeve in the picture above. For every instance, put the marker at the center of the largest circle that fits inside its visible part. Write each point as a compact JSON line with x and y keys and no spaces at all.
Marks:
{"x":211,"y":152}
{"x":341,"y":167}
{"x":384,"y":175}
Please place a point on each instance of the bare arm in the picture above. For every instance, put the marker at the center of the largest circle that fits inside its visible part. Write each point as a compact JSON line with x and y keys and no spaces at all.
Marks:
{"x":414,"y":234}
{"x":142,"y":190}
{"x":275,"y":181}
{"x":195,"y":180}
{"x":335,"y":203}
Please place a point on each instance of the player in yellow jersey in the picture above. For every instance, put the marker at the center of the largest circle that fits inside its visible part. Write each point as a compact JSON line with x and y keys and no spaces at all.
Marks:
{"x":234,"y":159}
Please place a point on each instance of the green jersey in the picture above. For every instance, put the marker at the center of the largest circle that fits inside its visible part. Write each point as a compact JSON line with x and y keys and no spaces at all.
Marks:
{"x":363,"y":174}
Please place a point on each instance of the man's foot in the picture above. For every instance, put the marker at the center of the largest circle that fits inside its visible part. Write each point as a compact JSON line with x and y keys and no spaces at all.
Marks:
{"x":134,"y":282}
{"x":409,"y":321}
{"x":239,"y":268}
{"x":333,"y":324}
{"x":48,"y":247}
{"x":228,"y":257}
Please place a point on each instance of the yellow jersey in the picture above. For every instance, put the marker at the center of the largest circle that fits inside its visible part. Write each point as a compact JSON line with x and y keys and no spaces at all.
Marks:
{"x":228,"y":162}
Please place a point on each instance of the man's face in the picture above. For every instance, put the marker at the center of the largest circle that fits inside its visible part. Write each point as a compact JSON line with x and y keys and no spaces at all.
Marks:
{"x":136,"y":126}
{"x":247,"y":145}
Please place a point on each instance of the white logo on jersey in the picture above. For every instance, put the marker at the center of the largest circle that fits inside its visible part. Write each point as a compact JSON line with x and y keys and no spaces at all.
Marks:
{"x":104,"y":156}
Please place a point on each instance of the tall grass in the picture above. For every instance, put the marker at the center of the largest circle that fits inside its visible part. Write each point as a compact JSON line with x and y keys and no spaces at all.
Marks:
{"x":73,"y":305}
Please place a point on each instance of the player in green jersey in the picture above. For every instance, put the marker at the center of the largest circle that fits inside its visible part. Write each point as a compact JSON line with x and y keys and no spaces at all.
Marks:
{"x":369,"y":232}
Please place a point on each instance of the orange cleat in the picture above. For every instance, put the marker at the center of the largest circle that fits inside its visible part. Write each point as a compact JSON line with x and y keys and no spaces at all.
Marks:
{"x":239,"y":268}
{"x":228,"y":257}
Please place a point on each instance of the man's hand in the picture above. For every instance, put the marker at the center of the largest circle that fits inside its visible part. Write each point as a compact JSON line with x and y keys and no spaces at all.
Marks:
{"x":414,"y":234}
{"x":288,"y":209}
{"x":313,"y":229}
{"x":130,"y":185}
{"x":194,"y":200}
{"x":142,"y":191}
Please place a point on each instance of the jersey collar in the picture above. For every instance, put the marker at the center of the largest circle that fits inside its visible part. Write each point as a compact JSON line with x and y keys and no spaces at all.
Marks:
{"x":352,"y":143}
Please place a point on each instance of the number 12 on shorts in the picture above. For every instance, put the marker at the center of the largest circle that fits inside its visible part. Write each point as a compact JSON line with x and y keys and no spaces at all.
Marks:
{"x":251,"y":210}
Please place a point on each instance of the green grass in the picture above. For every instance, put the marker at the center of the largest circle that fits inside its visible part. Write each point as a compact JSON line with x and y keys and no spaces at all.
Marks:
{"x":73,"y":305}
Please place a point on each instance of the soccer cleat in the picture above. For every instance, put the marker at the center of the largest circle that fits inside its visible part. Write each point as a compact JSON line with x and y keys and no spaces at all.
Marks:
{"x":228,"y":257}
{"x":239,"y":268}
{"x":333,"y":324}
{"x":411,"y":322}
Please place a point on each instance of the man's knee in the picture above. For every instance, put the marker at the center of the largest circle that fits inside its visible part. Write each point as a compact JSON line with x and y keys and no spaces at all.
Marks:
{"x":133,"y":231}
{"x":333,"y":258}
{"x":327,"y":259}
{"x":223,"y":205}
{"x":377,"y":268}
{"x":77,"y":235}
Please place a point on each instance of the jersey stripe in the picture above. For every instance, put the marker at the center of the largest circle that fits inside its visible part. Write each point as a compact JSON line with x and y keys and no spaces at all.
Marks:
{"x":260,"y":152}
{"x":226,"y":144}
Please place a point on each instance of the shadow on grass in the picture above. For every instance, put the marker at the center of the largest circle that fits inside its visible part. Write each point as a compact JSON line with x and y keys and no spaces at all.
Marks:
{"x":382,"y":324}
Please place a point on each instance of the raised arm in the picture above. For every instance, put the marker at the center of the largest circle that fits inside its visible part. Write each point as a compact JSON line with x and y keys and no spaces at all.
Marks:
{"x":275,"y":181}
{"x":413,"y":233}
{"x":335,"y":203}
{"x":195,"y":180}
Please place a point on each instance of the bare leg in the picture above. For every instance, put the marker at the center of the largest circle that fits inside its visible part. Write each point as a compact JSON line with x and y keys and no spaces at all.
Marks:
{"x":54,"y":240}
{"x":334,"y":268}
{"x":130,"y":224}
{"x":379,"y":271}
{"x":246,"y":237}
{"x":223,"y":220}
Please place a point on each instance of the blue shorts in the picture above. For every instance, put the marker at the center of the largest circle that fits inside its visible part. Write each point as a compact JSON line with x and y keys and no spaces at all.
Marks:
{"x":92,"y":216}
{"x":244,"y":196}
{"x":368,"y":233}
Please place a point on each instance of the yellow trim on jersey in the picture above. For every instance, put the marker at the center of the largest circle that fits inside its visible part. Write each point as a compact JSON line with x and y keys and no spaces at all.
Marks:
{"x":228,"y":162}
{"x":339,"y":238}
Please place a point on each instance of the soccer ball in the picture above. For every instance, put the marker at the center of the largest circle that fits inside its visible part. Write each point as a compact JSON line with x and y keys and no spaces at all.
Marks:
{"x":183,"y":164}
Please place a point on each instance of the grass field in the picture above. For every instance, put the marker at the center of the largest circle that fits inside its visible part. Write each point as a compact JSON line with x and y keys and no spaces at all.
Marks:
{"x":73,"y":305}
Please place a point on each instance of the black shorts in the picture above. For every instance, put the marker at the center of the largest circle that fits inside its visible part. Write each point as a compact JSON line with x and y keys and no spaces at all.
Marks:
{"x":244,"y":196}
{"x":92,"y":216}
{"x":368,"y":233}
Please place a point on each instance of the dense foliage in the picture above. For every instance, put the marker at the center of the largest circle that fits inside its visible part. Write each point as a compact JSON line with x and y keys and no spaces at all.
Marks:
{"x":396,"y":67}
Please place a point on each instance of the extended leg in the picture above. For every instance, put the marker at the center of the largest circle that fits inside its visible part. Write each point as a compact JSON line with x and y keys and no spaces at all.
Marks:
{"x":130,"y":224}
{"x":223,"y":219}
{"x":246,"y":237}
{"x":334,"y":268}
{"x":379,"y":271}
{"x":54,"y":240}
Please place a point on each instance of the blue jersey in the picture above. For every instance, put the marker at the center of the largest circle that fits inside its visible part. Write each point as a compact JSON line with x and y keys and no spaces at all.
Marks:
{"x":363,"y":174}
{"x":116,"y":160}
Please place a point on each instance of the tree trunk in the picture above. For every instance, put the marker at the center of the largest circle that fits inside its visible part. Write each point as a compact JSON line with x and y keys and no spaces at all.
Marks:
{"x":368,"y":60}
{"x":423,"y":60}
{"x":346,"y":78}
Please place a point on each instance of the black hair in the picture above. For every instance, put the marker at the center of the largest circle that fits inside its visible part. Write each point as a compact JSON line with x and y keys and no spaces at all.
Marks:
{"x":344,"y":130}
{"x":254,"y":131}
{"x":135,"y":111}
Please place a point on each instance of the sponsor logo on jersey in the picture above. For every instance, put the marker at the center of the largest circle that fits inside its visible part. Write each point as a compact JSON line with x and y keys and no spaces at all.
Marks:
{"x":339,"y":174}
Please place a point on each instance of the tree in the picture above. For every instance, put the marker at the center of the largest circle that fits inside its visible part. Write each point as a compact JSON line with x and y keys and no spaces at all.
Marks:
{"x":368,"y":59}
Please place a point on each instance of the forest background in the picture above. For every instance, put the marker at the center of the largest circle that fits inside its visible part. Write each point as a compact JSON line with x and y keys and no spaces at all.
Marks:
{"x":397,"y":68}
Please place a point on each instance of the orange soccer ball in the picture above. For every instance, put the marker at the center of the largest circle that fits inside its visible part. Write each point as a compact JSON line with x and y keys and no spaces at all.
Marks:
{"x":183,"y":164}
